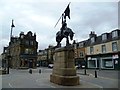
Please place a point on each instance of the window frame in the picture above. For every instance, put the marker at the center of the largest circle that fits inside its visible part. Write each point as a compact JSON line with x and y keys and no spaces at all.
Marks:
{"x":103,"y":48}
{"x":114,"y":34}
{"x":81,"y":54}
{"x":114,"y":46}
{"x":104,"y":37}
{"x":91,"y":50}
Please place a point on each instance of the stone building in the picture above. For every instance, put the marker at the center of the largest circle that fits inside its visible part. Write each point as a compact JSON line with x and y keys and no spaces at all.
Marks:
{"x":46,"y":56}
{"x":42,"y":58}
{"x":103,"y":51}
{"x":51,"y":50}
{"x":23,"y":50}
{"x":79,"y":53}
{"x":4,"y":57}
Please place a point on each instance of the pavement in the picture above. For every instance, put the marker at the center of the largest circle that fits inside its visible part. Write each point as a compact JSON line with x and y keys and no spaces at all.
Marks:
{"x":23,"y":79}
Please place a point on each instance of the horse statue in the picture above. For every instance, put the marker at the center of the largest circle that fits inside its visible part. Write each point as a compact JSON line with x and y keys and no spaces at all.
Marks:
{"x":64,"y":33}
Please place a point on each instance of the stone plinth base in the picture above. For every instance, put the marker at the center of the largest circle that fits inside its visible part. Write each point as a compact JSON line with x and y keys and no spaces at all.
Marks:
{"x":64,"y":80}
{"x":64,"y":72}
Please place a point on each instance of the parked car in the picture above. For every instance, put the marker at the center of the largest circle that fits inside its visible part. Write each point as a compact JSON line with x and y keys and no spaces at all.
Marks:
{"x":50,"y":66}
{"x":38,"y":65}
{"x":83,"y":66}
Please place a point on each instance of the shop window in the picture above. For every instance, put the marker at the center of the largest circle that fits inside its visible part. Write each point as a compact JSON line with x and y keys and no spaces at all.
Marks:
{"x":92,"y":63}
{"x":107,"y":63}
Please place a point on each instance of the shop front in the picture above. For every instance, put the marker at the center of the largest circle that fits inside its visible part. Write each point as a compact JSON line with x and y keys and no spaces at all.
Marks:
{"x":28,"y":61}
{"x":92,"y":62}
{"x":116,"y":60}
{"x":104,"y":61}
{"x":107,"y":63}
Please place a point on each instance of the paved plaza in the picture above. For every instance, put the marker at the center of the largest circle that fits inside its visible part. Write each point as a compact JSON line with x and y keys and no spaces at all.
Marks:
{"x":23,"y":79}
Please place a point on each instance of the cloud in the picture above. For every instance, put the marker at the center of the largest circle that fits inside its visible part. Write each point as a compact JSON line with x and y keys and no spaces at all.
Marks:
{"x":41,"y":16}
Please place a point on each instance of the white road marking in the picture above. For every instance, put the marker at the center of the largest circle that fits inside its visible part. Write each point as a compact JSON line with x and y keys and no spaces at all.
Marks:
{"x":10,"y":85}
{"x":53,"y":86}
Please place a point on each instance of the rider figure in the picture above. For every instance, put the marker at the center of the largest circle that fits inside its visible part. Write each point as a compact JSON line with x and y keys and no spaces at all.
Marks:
{"x":64,"y":25}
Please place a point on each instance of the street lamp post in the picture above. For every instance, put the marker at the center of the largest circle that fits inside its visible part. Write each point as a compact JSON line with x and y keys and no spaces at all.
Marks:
{"x":8,"y":64}
{"x":99,"y":61}
{"x":85,"y":68}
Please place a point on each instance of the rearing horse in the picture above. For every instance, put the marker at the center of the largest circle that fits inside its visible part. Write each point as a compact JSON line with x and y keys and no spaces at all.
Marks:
{"x":60,"y":35}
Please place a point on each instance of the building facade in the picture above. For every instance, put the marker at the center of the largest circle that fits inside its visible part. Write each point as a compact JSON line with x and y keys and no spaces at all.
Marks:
{"x":42,"y":58}
{"x":103,"y":52}
{"x":46,"y":56}
{"x":5,"y":57}
{"x":23,"y":50}
{"x":79,"y":53}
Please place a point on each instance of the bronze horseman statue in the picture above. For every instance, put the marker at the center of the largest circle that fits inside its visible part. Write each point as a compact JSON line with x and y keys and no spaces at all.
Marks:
{"x":65,"y":32}
{"x":64,"y":71}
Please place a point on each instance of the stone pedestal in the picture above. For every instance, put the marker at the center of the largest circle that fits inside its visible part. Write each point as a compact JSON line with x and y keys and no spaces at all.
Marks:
{"x":64,"y":71}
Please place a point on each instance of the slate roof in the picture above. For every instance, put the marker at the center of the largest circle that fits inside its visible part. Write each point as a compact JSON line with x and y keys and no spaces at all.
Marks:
{"x":98,"y":39}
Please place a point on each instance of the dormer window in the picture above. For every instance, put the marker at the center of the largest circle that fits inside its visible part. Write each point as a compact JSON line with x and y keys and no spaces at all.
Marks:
{"x":29,"y":33}
{"x":104,"y":37}
{"x":92,"y":39}
{"x":5,"y":51}
{"x":22,"y":36}
{"x":114,"y":34}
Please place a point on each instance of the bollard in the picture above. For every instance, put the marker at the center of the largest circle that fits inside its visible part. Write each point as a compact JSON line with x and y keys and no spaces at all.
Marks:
{"x":85,"y":72}
{"x":30,"y":71}
{"x":39,"y":70}
{"x":95,"y":74}
{"x":7,"y":70}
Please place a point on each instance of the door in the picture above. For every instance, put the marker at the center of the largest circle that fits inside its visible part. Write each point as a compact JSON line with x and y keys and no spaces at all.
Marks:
{"x":31,"y":63}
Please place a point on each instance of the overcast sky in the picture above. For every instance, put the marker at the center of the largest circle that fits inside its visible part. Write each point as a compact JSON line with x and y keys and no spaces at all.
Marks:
{"x":40,"y":17}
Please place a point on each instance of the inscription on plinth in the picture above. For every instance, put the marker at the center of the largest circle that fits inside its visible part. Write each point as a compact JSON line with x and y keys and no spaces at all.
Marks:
{"x":64,"y":72}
